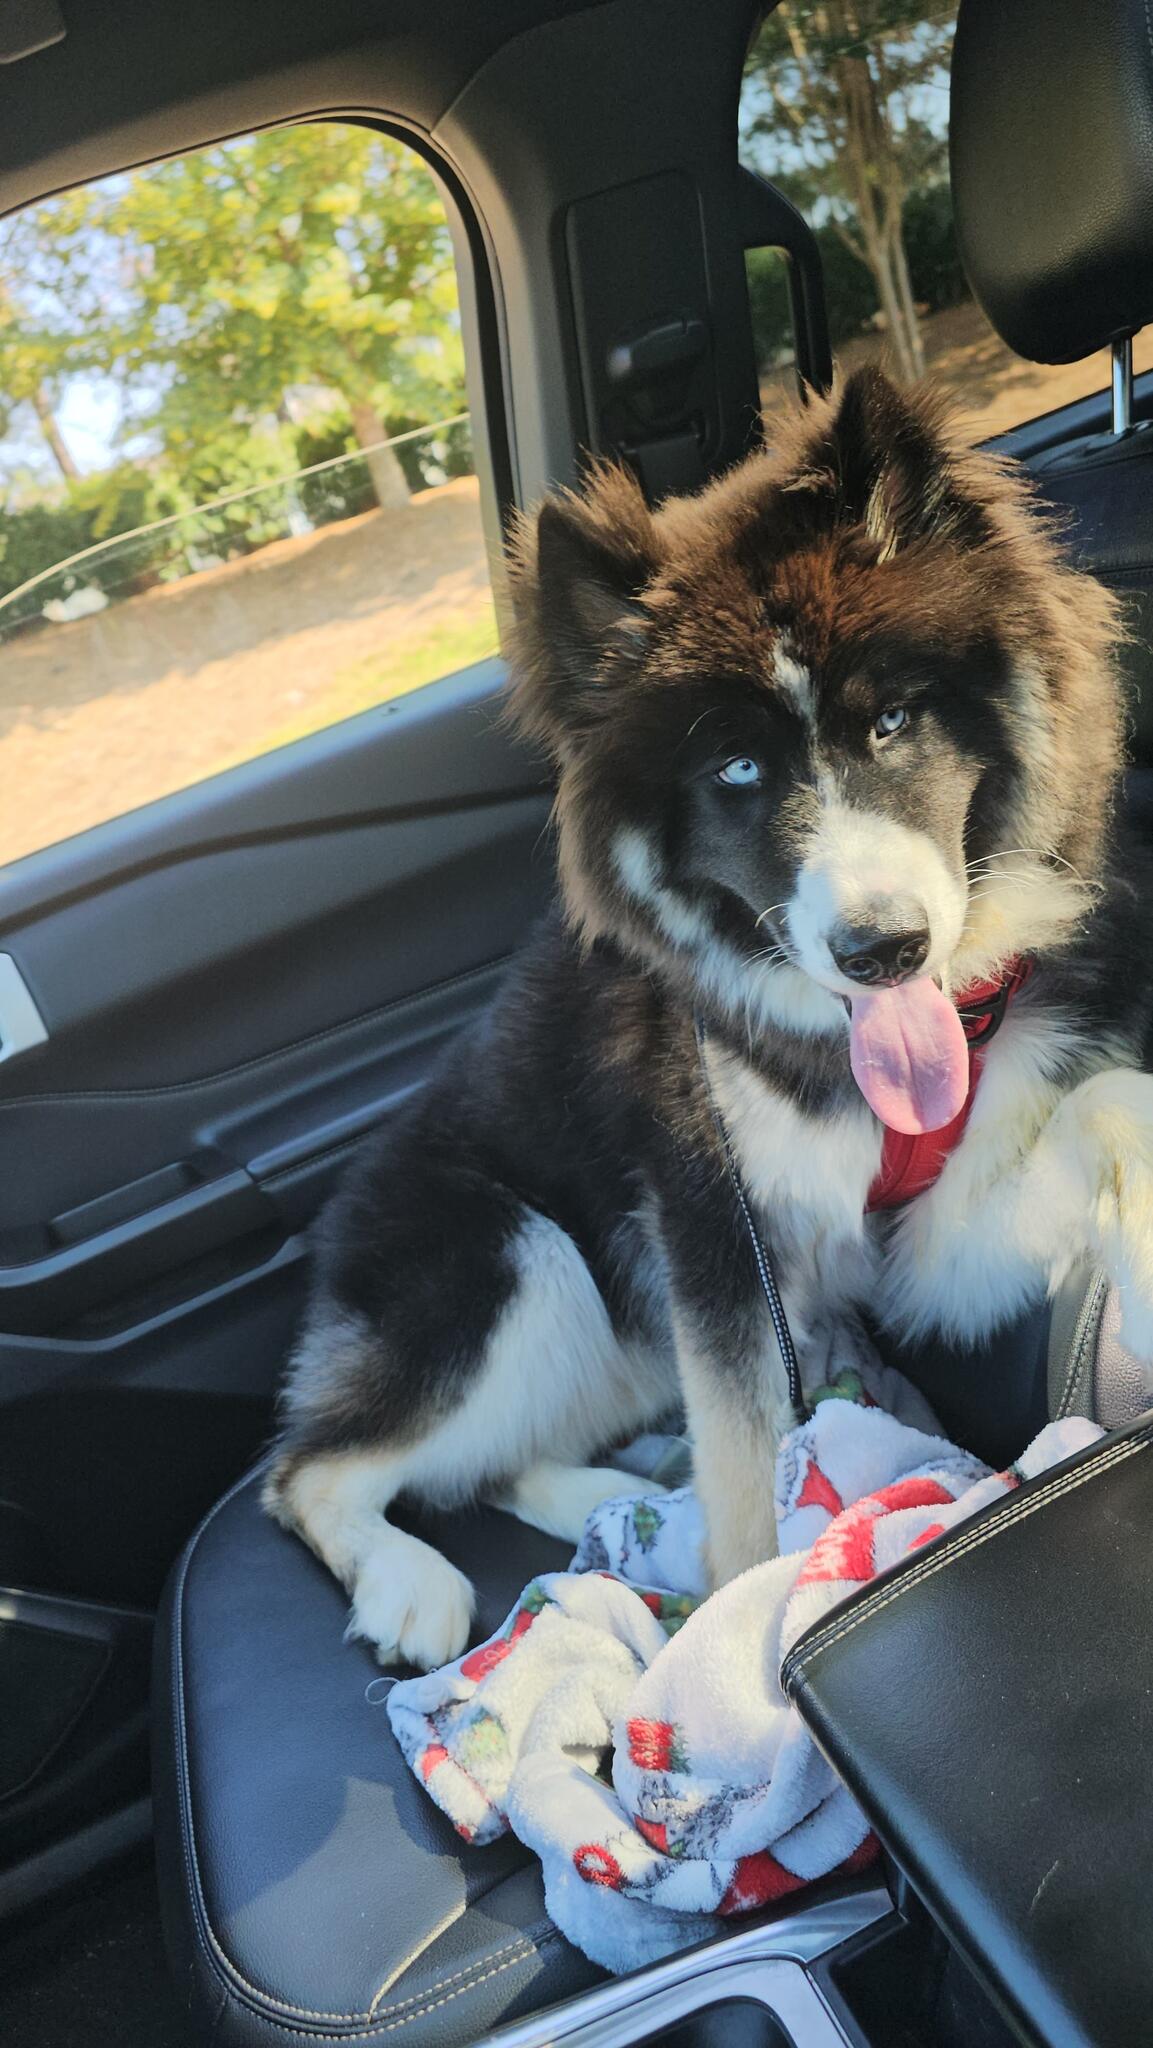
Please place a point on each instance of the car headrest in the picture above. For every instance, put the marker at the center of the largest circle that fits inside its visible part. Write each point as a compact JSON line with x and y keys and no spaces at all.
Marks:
{"x":1051,"y":149}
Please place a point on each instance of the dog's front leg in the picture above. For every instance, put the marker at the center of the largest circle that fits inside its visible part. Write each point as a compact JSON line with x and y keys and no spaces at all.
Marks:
{"x":733,"y":1382}
{"x":1098,"y":1150}
{"x":738,"y":1412}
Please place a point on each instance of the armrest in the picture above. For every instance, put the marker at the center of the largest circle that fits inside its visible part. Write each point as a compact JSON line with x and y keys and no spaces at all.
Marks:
{"x":990,"y":1703}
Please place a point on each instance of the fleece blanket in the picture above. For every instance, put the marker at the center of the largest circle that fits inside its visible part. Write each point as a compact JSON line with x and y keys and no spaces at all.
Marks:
{"x":633,"y":1732}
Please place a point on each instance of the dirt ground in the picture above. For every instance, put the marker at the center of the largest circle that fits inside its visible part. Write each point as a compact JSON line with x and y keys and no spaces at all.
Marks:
{"x":111,"y":711}
{"x":997,"y":389}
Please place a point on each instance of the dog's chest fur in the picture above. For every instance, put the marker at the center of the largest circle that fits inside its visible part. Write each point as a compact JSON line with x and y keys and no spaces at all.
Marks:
{"x":807,"y":1178}
{"x":950,"y":1259}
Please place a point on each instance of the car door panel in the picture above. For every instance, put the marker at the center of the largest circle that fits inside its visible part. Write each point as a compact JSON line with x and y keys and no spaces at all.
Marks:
{"x":236,"y":984}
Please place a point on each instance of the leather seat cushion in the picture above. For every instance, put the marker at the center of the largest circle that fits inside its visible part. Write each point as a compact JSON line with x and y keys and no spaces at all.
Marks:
{"x":310,"y":1887}
{"x":1100,"y":489}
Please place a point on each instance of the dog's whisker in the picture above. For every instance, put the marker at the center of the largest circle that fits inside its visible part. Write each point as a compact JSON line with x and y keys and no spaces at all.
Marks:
{"x":711,"y":711}
{"x":1026,"y":876}
{"x":990,"y":862}
{"x":998,"y":867}
{"x":981,"y":890}
{"x":1030,"y":877}
{"x":1007,"y":852}
{"x":769,"y":912}
{"x":985,"y":885}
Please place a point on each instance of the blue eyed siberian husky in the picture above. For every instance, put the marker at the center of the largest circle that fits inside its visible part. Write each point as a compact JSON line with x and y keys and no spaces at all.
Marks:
{"x":836,"y":742}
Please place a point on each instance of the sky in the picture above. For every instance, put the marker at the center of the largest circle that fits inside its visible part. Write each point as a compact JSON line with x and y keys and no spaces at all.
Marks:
{"x":89,"y":417}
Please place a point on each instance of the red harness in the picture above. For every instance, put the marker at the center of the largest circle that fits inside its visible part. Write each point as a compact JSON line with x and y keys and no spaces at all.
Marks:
{"x":910,"y":1164}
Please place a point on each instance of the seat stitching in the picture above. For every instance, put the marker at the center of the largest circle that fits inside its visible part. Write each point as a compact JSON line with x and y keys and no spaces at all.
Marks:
{"x":1090,"y":1324}
{"x":372,"y":2033}
{"x":531,"y":1945}
{"x":532,"y":1937}
{"x":212,"y":1949}
{"x":1008,"y":1518}
{"x":187,"y":1831}
{"x":215,"y":1952}
{"x":424,"y":2010}
{"x":260,"y":1059}
{"x":522,"y":1942}
{"x":533,"y":1940}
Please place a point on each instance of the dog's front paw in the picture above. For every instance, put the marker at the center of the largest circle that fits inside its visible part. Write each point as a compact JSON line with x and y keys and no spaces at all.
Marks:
{"x":412,"y":1605}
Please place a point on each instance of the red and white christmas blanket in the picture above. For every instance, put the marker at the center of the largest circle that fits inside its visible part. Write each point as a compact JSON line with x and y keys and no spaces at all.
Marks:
{"x":634,"y":1733}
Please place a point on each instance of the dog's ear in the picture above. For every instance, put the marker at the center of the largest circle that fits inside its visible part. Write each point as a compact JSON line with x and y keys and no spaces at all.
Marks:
{"x":883,"y":460}
{"x":578,"y":569}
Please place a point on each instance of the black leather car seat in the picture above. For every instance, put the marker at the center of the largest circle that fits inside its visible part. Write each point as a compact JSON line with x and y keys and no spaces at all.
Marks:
{"x":311,"y":1889}
{"x":309,"y":1884}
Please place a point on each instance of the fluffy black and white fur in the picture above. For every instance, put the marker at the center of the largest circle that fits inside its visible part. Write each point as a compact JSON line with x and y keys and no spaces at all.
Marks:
{"x":855,"y":675}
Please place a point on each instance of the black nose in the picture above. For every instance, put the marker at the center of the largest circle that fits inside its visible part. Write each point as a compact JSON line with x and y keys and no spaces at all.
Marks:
{"x":877,"y":958}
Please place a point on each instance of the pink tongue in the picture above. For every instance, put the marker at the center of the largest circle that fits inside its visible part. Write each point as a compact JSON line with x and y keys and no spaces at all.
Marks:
{"x":909,"y":1056}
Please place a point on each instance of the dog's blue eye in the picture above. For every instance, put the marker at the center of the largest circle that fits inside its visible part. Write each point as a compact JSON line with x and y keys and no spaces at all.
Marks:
{"x":890,"y":721}
{"x":743,"y":773}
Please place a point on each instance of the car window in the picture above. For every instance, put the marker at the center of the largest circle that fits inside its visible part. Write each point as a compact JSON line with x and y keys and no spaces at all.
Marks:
{"x":845,"y":106}
{"x":237,"y":493}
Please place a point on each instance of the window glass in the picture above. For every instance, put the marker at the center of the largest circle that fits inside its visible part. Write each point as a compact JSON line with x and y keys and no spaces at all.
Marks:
{"x":237,"y":495}
{"x":845,"y":106}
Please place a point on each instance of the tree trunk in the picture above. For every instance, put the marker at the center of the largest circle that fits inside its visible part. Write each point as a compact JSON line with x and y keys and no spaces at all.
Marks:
{"x":879,"y":254}
{"x":838,"y":48}
{"x":54,"y":438}
{"x":875,"y":183}
{"x":388,"y":478}
{"x":905,"y":294}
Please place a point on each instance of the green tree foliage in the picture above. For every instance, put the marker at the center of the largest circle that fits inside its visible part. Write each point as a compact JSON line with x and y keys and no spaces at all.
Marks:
{"x":842,"y":92}
{"x":303,"y":257}
{"x":306,"y":259}
{"x":46,"y":314}
{"x":37,"y":536}
{"x":241,"y":303}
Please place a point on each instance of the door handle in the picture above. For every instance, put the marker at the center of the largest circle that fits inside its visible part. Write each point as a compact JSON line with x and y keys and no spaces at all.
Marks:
{"x":43,"y":1295}
{"x":21,"y":1025}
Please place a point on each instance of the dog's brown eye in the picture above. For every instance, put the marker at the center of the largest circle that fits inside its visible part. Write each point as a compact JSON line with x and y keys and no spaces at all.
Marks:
{"x":890,"y":722}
